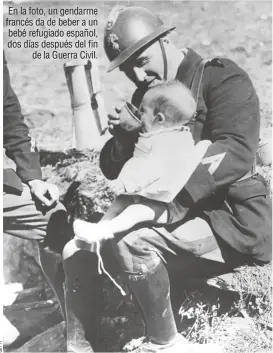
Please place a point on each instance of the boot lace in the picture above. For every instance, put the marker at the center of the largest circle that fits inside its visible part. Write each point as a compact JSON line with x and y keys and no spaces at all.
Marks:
{"x":101,"y":269}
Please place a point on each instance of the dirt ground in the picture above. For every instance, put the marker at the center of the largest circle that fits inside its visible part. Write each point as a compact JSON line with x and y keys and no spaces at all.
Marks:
{"x":238,"y":30}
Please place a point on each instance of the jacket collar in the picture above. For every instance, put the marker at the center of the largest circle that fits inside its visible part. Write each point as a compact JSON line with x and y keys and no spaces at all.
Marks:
{"x":188,"y":66}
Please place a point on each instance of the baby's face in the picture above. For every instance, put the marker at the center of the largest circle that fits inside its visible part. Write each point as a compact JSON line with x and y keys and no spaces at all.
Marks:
{"x":146,"y":110}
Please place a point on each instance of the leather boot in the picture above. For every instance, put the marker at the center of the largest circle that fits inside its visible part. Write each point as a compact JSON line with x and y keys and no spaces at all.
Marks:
{"x":152,"y":292}
{"x":59,"y":232}
{"x":83,"y":300}
{"x":51,"y":265}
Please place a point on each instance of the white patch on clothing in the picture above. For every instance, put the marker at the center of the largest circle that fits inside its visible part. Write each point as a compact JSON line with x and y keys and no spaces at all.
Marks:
{"x":33,"y":144}
{"x":214,"y":161}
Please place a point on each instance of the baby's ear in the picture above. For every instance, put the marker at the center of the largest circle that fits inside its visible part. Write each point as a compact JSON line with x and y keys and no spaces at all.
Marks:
{"x":159,"y":118}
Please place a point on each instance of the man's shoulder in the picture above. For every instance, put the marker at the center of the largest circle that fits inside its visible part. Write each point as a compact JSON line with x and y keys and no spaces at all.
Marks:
{"x":220,"y":70}
{"x":224,"y":66}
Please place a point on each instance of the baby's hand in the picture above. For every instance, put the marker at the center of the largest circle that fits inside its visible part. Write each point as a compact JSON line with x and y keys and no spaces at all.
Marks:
{"x":117,"y":187}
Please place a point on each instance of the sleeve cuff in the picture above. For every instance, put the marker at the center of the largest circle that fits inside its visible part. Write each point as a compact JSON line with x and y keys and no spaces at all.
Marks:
{"x":200,"y":185}
{"x":31,"y":175}
{"x":28,"y":166}
{"x":109,"y":165}
{"x":112,"y":155}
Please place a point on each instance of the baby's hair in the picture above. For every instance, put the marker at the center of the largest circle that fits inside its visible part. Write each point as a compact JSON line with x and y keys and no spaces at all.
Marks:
{"x":175,"y":101}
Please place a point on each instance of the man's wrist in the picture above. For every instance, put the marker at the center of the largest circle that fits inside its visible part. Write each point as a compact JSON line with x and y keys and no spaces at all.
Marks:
{"x":185,"y":199}
{"x":119,"y":151}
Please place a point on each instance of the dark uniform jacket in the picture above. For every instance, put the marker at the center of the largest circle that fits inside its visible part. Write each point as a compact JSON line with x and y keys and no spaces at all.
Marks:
{"x":238,"y":211}
{"x":19,"y":146}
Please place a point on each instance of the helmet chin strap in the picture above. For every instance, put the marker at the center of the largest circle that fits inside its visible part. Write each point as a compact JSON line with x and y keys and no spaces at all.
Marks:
{"x":164,"y":56}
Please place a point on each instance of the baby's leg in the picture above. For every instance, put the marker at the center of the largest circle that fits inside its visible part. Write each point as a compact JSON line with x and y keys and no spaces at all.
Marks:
{"x":92,"y":232}
{"x":122,"y":215}
{"x":145,"y":210}
{"x":120,"y":203}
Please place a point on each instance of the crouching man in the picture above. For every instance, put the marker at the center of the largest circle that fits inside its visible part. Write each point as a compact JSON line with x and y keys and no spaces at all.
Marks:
{"x":31,"y":207}
{"x":227,"y":210}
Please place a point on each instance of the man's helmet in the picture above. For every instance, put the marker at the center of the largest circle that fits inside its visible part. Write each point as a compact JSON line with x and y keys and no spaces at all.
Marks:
{"x":129,"y":29}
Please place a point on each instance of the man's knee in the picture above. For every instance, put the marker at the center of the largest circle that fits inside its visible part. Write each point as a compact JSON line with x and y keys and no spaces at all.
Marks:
{"x":195,"y":237}
{"x":25,"y":219}
{"x":80,"y":265}
{"x":134,"y":251}
{"x":58,"y":231}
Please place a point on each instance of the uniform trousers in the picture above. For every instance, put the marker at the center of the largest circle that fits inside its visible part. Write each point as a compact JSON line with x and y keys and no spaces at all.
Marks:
{"x":48,"y":228}
{"x":143,"y":257}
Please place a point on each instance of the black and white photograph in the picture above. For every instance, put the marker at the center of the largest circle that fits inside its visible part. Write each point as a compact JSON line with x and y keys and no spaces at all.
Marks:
{"x":137,"y":176}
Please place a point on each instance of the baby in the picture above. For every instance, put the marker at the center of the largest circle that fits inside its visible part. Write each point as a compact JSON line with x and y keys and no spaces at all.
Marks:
{"x":164,"y":158}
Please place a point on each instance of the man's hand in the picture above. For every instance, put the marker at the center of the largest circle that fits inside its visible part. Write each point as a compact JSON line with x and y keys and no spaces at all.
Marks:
{"x":46,"y":193}
{"x":114,"y":121}
{"x":122,"y":136}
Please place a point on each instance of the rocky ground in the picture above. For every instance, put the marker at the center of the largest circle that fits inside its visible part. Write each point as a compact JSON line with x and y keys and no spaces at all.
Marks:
{"x":238,"y":30}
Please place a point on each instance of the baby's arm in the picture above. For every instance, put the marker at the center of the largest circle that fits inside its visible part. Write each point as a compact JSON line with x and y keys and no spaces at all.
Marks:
{"x":128,"y":184}
{"x":117,"y":187}
{"x":138,"y":173}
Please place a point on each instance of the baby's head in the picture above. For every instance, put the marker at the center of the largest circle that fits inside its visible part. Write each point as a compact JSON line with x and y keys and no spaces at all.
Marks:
{"x":166,"y":105}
